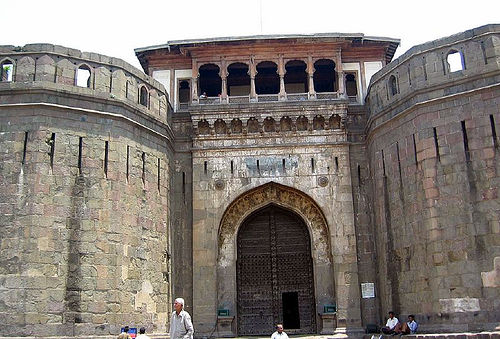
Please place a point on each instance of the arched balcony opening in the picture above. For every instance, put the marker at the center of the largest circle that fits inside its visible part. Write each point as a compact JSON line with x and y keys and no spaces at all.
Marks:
{"x":351,"y":86}
{"x":267,"y":80}
{"x":296,"y":77}
{"x":210,"y":81}
{"x":184,"y":95}
{"x":6,"y":70}
{"x":334,"y":121}
{"x":83,"y":76}
{"x":238,"y":80}
{"x":324,"y":77}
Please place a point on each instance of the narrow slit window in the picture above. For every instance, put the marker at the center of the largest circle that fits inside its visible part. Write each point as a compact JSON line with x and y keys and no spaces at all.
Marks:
{"x":205,"y":167}
{"x":436,"y":144}
{"x":232,"y":167}
{"x":183,"y":185}
{"x":128,"y":163}
{"x":143,"y":157}
{"x":52,"y":143}
{"x":106,"y":157}
{"x":399,"y":162}
{"x":466,"y":141}
{"x":283,"y":164}
{"x":493,"y":131}
{"x":415,"y":149}
{"x":159,"y":173}
{"x":312,"y":165}
{"x":25,"y":145}
{"x":258,"y":166}
{"x":336,"y":163}
{"x":80,"y":152}
{"x":359,"y":175}
{"x":383,"y":163}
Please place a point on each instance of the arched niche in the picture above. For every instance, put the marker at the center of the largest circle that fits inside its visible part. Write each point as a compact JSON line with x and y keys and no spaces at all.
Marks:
{"x":288,"y":198}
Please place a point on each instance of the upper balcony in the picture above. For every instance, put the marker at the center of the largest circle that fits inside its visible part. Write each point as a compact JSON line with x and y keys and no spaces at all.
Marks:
{"x":267,"y":69}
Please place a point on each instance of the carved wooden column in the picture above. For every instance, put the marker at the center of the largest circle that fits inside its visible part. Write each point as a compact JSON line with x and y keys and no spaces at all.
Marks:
{"x":194,"y":83}
{"x":310,"y":76}
{"x":252,"y":71}
{"x":281,"y":73}
{"x":340,"y":72}
{"x":223,"y":75}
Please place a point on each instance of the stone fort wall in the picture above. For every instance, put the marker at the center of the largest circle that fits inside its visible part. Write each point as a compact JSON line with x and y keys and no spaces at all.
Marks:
{"x":433,"y":147}
{"x":85,"y":182}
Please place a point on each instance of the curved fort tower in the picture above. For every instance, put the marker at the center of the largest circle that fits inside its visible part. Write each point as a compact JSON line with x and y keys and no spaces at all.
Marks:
{"x":298,"y":179}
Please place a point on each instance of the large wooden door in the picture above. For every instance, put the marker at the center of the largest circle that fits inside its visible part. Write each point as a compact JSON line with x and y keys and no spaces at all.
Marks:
{"x":275,"y":275}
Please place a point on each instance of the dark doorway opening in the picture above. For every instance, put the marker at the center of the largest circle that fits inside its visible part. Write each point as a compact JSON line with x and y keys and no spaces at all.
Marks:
{"x":291,"y":317}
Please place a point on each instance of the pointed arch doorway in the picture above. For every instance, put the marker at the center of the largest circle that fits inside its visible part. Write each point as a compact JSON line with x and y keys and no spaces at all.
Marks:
{"x":274,"y":273}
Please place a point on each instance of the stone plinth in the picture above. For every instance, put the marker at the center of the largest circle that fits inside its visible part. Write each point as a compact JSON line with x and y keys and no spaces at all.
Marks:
{"x":225,"y":326}
{"x":328,"y":323}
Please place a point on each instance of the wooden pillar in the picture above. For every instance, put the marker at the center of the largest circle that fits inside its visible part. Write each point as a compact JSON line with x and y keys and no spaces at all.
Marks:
{"x":310,"y":76}
{"x":223,"y":75}
{"x":252,"y":71}
{"x":340,"y":72}
{"x":281,"y":73}
{"x":194,"y":82}
{"x":362,"y":81}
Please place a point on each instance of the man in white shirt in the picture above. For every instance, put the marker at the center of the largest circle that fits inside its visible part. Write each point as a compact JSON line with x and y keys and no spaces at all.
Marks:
{"x":142,"y":334}
{"x":181,"y":326}
{"x":279,"y":334}
{"x":391,"y":326}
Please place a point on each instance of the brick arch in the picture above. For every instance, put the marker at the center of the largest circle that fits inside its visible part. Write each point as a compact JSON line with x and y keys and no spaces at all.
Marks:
{"x":253,"y":200}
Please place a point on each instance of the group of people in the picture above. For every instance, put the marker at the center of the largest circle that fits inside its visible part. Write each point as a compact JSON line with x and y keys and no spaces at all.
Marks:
{"x":393,"y":326}
{"x":181,"y":326}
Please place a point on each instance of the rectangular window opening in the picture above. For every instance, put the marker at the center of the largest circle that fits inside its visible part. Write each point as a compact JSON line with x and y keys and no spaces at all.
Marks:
{"x":436,"y":144}
{"x":283,"y":165}
{"x":312,"y":165}
{"x":493,"y":131}
{"x":336,"y":163}
{"x":258,"y":166}
{"x":205,"y":167}
{"x":466,"y":141}
{"x":232,"y":167}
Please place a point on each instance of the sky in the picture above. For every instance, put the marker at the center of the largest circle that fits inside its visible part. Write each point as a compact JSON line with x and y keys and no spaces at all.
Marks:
{"x":115,"y":28}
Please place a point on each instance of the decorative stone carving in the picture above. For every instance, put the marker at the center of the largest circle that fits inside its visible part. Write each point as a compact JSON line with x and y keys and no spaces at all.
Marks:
{"x":323,"y":181}
{"x":219,"y":184}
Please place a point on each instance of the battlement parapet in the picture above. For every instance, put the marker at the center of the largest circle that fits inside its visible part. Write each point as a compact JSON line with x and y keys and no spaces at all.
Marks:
{"x":82,"y":73}
{"x":458,"y":63}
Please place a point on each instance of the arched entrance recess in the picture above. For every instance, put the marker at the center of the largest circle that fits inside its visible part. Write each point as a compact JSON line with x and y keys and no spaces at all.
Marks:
{"x":274,"y":273}
{"x":260,"y":203}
